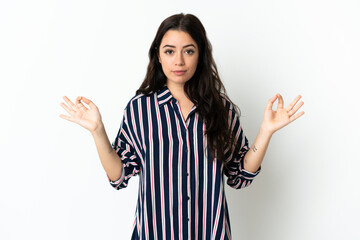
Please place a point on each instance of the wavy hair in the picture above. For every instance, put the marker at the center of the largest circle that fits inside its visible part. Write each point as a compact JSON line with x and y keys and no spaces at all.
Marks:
{"x":205,"y":88}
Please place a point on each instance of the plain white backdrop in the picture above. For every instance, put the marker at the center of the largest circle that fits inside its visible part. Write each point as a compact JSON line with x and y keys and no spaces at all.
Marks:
{"x":51,"y":181}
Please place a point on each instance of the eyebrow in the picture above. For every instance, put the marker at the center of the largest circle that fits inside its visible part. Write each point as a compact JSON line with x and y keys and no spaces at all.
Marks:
{"x":189,"y":45}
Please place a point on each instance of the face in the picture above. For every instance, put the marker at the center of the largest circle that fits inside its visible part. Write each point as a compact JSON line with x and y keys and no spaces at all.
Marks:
{"x":178,"y":56}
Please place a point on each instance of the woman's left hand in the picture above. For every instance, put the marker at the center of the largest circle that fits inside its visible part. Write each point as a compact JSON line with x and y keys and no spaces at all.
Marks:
{"x":275,"y":120}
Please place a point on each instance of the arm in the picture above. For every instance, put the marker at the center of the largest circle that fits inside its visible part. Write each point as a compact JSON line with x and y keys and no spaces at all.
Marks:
{"x":110,"y":161}
{"x":90,"y":119}
{"x":272,"y":122}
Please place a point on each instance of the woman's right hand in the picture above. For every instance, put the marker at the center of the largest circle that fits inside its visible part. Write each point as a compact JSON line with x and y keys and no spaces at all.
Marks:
{"x":88,"y":118}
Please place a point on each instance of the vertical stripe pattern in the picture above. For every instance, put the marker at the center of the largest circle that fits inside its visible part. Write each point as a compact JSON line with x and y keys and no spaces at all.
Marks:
{"x":181,"y":188}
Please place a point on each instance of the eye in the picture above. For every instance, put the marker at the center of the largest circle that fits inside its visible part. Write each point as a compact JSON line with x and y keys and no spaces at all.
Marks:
{"x":189,"y":51}
{"x":168,"y":51}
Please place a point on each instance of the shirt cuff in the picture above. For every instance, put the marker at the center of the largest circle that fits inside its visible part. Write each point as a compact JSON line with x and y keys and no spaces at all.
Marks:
{"x":247,"y":174}
{"x":118,"y":181}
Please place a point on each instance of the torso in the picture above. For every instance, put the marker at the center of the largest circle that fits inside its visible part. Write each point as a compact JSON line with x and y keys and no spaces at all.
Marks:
{"x":186,"y":106}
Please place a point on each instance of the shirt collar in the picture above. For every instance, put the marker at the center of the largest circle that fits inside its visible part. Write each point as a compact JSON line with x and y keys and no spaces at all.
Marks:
{"x":164,"y":96}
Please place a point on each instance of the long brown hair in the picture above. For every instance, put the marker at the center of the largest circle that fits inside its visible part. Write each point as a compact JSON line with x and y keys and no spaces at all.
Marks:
{"x":205,"y":88}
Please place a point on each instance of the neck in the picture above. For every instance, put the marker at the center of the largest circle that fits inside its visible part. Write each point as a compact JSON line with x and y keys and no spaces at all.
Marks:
{"x":178,"y":92}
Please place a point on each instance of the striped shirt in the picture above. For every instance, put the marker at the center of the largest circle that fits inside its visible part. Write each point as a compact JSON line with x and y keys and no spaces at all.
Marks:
{"x":181,"y":188}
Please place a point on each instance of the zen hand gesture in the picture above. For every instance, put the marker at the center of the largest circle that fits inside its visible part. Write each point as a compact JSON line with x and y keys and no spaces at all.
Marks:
{"x":88,"y":118}
{"x":275,"y":120}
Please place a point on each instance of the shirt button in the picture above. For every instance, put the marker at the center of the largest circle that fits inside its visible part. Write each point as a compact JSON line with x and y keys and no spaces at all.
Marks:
{"x":188,"y":219}
{"x":188,"y":198}
{"x":187,"y":174}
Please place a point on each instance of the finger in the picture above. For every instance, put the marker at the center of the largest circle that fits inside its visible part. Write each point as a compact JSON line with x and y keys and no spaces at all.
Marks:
{"x":89,"y":102}
{"x":78,"y":102}
{"x":271,"y":102}
{"x":280,"y":102}
{"x":70,"y":103}
{"x":69,"y":110}
{"x":293,"y":103}
{"x":66,"y":117}
{"x":296,"y":116}
{"x":296,"y":108}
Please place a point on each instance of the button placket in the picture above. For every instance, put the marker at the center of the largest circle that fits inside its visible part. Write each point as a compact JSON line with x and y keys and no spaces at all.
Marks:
{"x":184,"y":136}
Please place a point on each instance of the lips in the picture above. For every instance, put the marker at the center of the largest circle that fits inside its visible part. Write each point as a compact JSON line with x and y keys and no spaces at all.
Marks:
{"x":179,"y":72}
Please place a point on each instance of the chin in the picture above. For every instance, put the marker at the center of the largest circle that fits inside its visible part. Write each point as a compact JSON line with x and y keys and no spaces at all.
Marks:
{"x":177,"y":81}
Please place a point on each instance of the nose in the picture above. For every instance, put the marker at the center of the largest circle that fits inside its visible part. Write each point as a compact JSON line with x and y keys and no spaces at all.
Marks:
{"x":179,"y":59}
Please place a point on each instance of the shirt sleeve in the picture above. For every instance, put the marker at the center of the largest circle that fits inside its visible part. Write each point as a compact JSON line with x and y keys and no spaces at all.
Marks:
{"x":124,"y":147}
{"x":238,"y":177}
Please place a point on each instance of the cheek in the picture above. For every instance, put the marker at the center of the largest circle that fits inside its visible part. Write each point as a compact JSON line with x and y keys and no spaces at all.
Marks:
{"x":164,"y":61}
{"x":195,"y":63}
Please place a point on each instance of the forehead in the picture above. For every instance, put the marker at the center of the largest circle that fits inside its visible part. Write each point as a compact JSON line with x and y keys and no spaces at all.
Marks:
{"x":177,"y":38}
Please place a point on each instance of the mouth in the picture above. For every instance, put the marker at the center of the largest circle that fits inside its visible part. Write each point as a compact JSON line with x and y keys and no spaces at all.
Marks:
{"x":179,"y":72}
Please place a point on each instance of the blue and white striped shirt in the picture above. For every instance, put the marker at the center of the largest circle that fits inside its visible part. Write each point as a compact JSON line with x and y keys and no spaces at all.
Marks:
{"x":181,"y":188}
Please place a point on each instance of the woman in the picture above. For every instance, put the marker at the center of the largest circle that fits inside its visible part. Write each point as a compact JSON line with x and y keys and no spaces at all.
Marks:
{"x":181,"y":134}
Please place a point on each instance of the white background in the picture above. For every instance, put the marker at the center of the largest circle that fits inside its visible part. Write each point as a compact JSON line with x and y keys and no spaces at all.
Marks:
{"x":52,"y":185}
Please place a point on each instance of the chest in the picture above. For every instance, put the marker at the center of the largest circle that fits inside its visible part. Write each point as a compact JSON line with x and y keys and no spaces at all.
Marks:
{"x":185,"y":108}
{"x":171,"y":141}
{"x":171,"y":126}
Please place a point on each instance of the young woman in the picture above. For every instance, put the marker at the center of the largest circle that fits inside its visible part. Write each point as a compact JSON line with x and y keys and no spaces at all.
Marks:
{"x":180,"y":133}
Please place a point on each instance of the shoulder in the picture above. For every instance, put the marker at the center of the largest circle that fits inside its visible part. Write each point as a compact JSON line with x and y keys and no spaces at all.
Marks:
{"x":139,"y":99}
{"x":135,"y":99}
{"x":229,"y":105}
